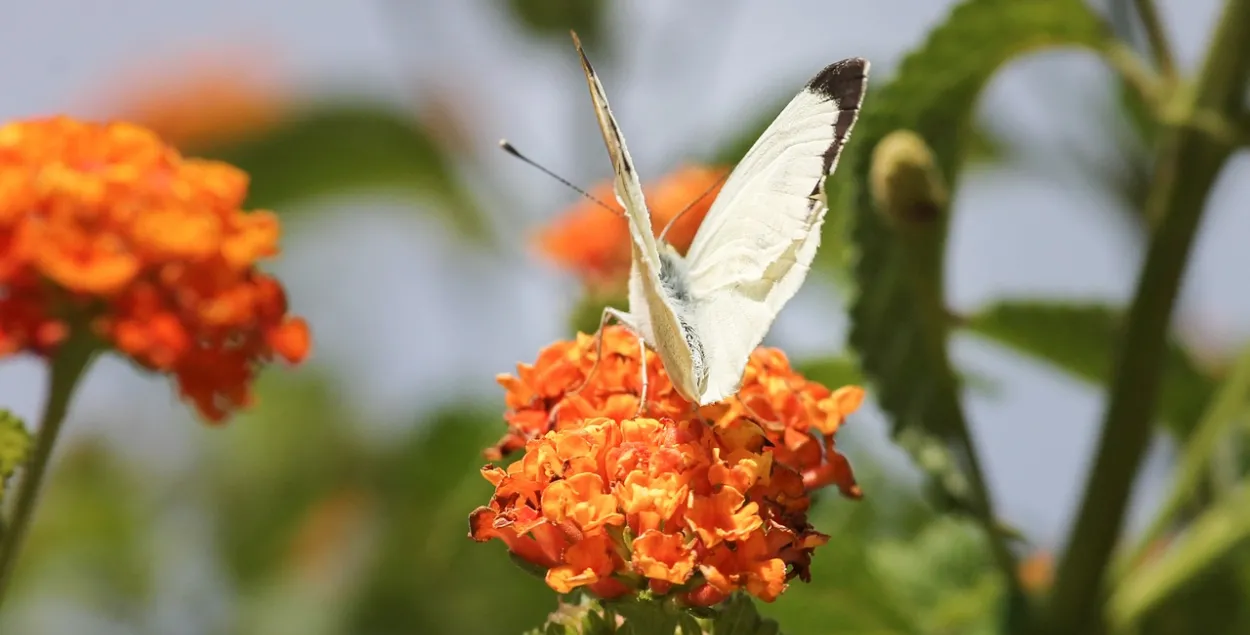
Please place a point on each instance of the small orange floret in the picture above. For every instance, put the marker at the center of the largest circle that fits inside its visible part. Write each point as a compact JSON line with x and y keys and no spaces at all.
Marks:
{"x":594,"y":242}
{"x":663,"y":557}
{"x":700,"y":503}
{"x":107,"y":225}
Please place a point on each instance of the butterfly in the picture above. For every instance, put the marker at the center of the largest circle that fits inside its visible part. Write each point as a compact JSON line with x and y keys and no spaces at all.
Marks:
{"x":705,"y":313}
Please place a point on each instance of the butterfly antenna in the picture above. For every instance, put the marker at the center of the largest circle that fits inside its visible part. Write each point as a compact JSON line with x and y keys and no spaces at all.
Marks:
{"x":673,"y":220}
{"x":511,"y":149}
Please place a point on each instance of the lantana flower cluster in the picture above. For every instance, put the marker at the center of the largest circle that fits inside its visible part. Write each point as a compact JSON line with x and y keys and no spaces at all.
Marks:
{"x":695,"y":502}
{"x":106,"y":228}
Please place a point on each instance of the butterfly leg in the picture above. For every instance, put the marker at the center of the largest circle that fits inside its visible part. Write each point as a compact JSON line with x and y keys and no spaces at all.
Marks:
{"x":696,"y":414}
{"x":642,"y":365}
{"x":751,"y":414}
{"x":609,"y":313}
{"x":624,"y":319}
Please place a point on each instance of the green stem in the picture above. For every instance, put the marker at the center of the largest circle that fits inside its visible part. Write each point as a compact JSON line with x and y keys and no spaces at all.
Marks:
{"x":1187,"y":165}
{"x":1221,"y":414}
{"x":67,"y":367}
{"x":1157,"y":37}
{"x":997,"y":536}
{"x":925,"y":246}
{"x":1136,"y":72}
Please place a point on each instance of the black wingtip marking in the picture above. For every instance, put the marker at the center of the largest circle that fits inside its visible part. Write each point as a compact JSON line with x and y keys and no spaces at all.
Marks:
{"x":843,"y":83}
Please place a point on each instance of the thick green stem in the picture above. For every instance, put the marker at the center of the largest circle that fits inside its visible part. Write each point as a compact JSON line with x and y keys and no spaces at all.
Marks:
{"x":1187,"y":165}
{"x":67,"y":367}
{"x":1221,"y":414}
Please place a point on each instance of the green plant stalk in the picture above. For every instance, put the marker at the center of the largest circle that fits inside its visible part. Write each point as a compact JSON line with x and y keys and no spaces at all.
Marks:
{"x":925,"y":259}
{"x":1221,"y":414}
{"x":1211,"y":537}
{"x":1187,"y":165}
{"x":1138,"y":75}
{"x":1157,"y":37}
{"x":67,"y":367}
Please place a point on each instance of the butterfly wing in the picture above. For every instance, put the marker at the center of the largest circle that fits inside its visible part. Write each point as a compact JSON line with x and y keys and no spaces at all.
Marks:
{"x":756,"y":243}
{"x":655,"y":312}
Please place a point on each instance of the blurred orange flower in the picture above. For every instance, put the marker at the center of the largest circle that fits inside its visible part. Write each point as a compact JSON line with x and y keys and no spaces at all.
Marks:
{"x":1036,"y":572}
{"x":700,"y":503}
{"x":799,"y":417}
{"x":594,"y":242}
{"x":202,"y":101}
{"x":105,"y":225}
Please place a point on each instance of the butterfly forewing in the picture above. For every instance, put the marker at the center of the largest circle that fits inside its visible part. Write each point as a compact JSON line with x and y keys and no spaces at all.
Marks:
{"x":754,"y":248}
{"x":656,"y":313}
{"x":626,"y":184}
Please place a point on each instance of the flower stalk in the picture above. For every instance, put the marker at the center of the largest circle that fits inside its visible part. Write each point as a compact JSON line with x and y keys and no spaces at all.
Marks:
{"x":67,"y":367}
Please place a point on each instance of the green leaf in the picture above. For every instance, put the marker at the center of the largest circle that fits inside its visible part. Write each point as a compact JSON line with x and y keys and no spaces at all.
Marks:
{"x":836,"y":371}
{"x":1079,"y":338}
{"x":831,"y":372}
{"x":984,"y":145}
{"x":738,"y":616}
{"x":689,"y":625}
{"x":899,"y":323}
{"x":644,"y":616}
{"x":14,"y":445}
{"x":555,"y":18}
{"x":1216,"y":532}
{"x":597,"y":624}
{"x":333,"y":148}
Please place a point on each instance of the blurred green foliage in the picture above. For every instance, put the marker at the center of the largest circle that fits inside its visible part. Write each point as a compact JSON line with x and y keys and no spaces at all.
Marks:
{"x":554,"y":19}
{"x":1078,"y":339}
{"x":336,"y":148}
{"x":14,"y":445}
{"x":318,"y":528}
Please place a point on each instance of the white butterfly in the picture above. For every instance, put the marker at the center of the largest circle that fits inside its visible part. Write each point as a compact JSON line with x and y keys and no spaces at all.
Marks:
{"x":704,"y":313}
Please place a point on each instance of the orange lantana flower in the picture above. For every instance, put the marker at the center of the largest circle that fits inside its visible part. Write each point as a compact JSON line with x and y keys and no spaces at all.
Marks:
{"x":594,"y":242}
{"x":104,"y":227}
{"x":698,"y":502}
{"x":799,"y":417}
{"x":574,"y":518}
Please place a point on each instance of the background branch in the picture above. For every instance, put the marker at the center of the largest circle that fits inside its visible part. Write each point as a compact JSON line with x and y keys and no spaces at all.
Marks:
{"x":1188,"y":164}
